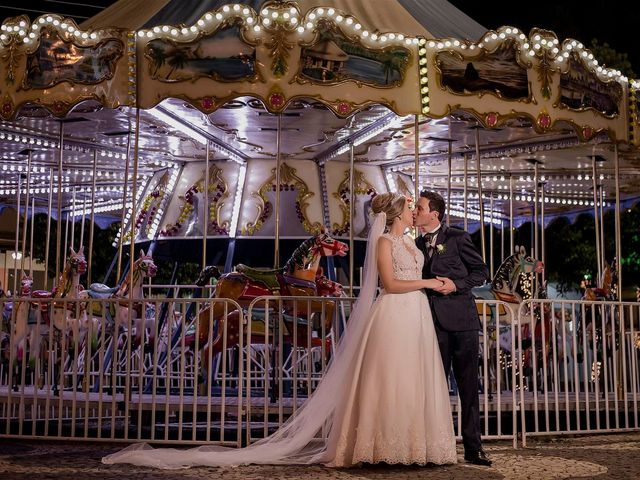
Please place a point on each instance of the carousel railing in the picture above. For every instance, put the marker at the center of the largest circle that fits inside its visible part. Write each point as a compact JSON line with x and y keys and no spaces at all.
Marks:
{"x":584,"y":375}
{"x":181,"y":371}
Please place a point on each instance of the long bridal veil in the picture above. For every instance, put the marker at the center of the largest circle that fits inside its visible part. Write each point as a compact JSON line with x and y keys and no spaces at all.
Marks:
{"x":305,"y":438}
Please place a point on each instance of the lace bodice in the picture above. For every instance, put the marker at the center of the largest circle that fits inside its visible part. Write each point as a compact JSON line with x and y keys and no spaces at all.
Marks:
{"x":406,"y":258}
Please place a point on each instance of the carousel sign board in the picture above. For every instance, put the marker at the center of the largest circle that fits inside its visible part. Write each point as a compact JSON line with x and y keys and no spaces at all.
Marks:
{"x":508,"y":75}
{"x":52,"y":63}
{"x":278,"y":55}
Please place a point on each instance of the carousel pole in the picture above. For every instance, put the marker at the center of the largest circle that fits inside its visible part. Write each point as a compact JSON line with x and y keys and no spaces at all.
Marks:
{"x":352,"y":197}
{"x":480,"y":199}
{"x":33,"y":225}
{"x":450,"y":142}
{"x":93,"y":214}
{"x":601,"y":211}
{"x":491,"y":236}
{"x":65,"y":249}
{"x":543,"y":256}
{"x":416,"y":159}
{"x":464,"y":192}
{"x":276,"y":251}
{"x":595,"y":216}
{"x":206,"y":205}
{"x":134,"y":191}
{"x":26,"y":211}
{"x":82,"y":222}
{"x":512,"y":246}
{"x":48,"y":236}
{"x":502,"y":252}
{"x":73,"y":217}
{"x":59,"y":205}
{"x":535,"y":211}
{"x":618,"y":221}
{"x":124,"y":208}
{"x":17,"y":245}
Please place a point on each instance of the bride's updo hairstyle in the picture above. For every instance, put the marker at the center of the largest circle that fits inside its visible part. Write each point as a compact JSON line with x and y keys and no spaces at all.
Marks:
{"x":390,"y":203}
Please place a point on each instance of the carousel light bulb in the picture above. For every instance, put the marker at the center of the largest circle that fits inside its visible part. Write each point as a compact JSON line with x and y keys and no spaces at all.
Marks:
{"x":365,"y":33}
{"x":250,"y":20}
{"x":246,"y":11}
{"x":300,"y":29}
{"x":264,"y":12}
{"x":339,"y":18}
{"x":294,"y":20}
{"x":226,"y":9}
{"x":286,"y":15}
{"x":274,"y":15}
{"x":218,"y":16}
{"x":193,"y":29}
{"x":200,"y":24}
{"x":257,"y":28}
{"x":309,"y":25}
{"x":149,"y":34}
{"x":312,"y":16}
{"x":236,"y":8}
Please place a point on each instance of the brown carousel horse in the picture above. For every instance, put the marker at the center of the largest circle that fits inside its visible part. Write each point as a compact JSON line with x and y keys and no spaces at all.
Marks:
{"x":301,"y":277}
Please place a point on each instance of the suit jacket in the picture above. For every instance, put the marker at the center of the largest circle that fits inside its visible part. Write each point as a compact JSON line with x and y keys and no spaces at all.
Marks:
{"x":459,"y":260}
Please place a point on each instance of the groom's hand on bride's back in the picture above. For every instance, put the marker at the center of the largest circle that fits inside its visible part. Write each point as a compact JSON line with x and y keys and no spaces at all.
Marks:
{"x":447,"y":286}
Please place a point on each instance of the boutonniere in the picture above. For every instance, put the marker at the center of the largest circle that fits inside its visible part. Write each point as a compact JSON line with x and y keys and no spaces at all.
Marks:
{"x":441,"y":248}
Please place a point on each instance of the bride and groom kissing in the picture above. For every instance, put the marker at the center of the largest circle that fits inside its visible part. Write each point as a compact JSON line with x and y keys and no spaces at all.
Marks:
{"x":384,"y":396}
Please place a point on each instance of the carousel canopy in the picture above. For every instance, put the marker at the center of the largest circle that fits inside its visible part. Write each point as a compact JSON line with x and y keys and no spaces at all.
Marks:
{"x":427,"y":18}
{"x":217,"y":95}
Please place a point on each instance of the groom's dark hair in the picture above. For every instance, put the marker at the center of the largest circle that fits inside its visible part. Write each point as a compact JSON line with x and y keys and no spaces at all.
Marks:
{"x":436,"y":203}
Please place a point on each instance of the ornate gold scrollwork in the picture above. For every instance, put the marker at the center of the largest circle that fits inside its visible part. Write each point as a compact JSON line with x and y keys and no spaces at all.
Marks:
{"x":361,"y":186}
{"x":218,"y":191}
{"x":288,"y":181}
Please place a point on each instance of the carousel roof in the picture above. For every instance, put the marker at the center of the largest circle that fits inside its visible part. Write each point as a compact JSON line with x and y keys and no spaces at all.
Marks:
{"x":428,"y":18}
{"x":504,"y":97}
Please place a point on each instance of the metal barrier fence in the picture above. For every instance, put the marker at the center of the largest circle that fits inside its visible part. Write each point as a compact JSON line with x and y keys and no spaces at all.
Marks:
{"x":210,"y":371}
{"x":584,"y":373}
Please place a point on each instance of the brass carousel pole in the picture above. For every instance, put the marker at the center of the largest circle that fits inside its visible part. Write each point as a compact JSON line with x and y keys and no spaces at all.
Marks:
{"x":124,"y":208}
{"x":450,"y":142}
{"x":276,"y":251}
{"x":93,"y":214}
{"x":618,"y":221}
{"x":73,"y":217}
{"x":17,"y":245}
{"x":33,"y":225}
{"x":352,"y":197}
{"x":82,"y":222}
{"x":543,"y":256}
{"x":59,"y":205}
{"x":26,"y":212}
{"x":535,"y":211}
{"x":134,"y":191}
{"x":416,"y":160}
{"x":512,"y":246}
{"x":48,"y":236}
{"x":491,"y":259}
{"x":480,"y":199}
{"x":595,"y":216}
{"x":465,"y":203}
{"x":206,"y":205}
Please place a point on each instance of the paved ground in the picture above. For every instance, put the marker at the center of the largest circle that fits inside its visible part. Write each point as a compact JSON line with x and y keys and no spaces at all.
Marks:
{"x":602,"y":457}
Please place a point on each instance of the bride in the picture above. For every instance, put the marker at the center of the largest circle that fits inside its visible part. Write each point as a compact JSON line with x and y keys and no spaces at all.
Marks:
{"x":384,"y":397}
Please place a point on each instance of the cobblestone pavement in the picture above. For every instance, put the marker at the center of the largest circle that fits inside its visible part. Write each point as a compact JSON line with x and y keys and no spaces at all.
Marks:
{"x":602,"y":457}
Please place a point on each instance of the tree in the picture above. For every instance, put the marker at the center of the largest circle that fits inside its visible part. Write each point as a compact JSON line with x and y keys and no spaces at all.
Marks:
{"x":610,"y":58}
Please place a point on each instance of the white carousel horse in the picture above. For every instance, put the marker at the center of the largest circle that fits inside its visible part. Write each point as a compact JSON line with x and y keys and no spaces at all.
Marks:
{"x":142,"y":268}
{"x":20,"y":330}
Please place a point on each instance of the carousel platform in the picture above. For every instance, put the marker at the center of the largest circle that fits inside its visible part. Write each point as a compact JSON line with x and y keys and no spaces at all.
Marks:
{"x":605,"y":457}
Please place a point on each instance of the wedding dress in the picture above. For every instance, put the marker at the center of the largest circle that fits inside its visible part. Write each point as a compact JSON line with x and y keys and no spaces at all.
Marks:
{"x":384,"y":397}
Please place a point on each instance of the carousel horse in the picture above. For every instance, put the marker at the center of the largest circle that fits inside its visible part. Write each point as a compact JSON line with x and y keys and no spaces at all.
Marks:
{"x":20,"y":330}
{"x":512,"y":284}
{"x":592,"y":327}
{"x":143,"y":267}
{"x":65,"y":312}
{"x":301,"y":277}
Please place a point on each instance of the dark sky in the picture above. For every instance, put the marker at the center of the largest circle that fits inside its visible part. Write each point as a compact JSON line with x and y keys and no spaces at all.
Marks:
{"x":615,"y":22}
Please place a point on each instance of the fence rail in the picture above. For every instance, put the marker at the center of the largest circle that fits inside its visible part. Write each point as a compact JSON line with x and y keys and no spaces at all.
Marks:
{"x":199,"y":370}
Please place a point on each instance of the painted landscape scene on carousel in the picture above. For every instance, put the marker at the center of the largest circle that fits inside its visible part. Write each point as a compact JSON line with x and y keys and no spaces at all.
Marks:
{"x":56,"y":61}
{"x":223,"y":56}
{"x":335,"y":58}
{"x":580,"y":88}
{"x":498,"y":72}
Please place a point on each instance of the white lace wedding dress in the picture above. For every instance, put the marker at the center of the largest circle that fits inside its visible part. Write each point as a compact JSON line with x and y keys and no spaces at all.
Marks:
{"x":384,"y":397}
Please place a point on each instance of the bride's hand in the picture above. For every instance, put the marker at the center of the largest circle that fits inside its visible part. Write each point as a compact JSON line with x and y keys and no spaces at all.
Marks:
{"x":433,"y":283}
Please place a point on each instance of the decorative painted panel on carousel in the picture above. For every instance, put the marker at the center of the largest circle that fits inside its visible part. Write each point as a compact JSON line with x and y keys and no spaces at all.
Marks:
{"x":368,"y":182}
{"x":187,"y":213}
{"x":300,"y":199}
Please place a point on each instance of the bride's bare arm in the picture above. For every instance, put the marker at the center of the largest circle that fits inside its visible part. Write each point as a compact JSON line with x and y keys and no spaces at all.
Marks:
{"x":385,"y":270}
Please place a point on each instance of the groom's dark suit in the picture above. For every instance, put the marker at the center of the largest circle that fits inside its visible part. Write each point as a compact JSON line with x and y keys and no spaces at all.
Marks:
{"x":456,"y":318}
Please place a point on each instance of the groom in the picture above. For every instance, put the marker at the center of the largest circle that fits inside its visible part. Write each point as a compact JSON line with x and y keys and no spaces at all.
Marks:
{"x":451,"y":257}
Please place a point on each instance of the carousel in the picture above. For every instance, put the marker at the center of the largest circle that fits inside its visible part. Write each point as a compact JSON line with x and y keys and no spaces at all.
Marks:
{"x":238,"y":147}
